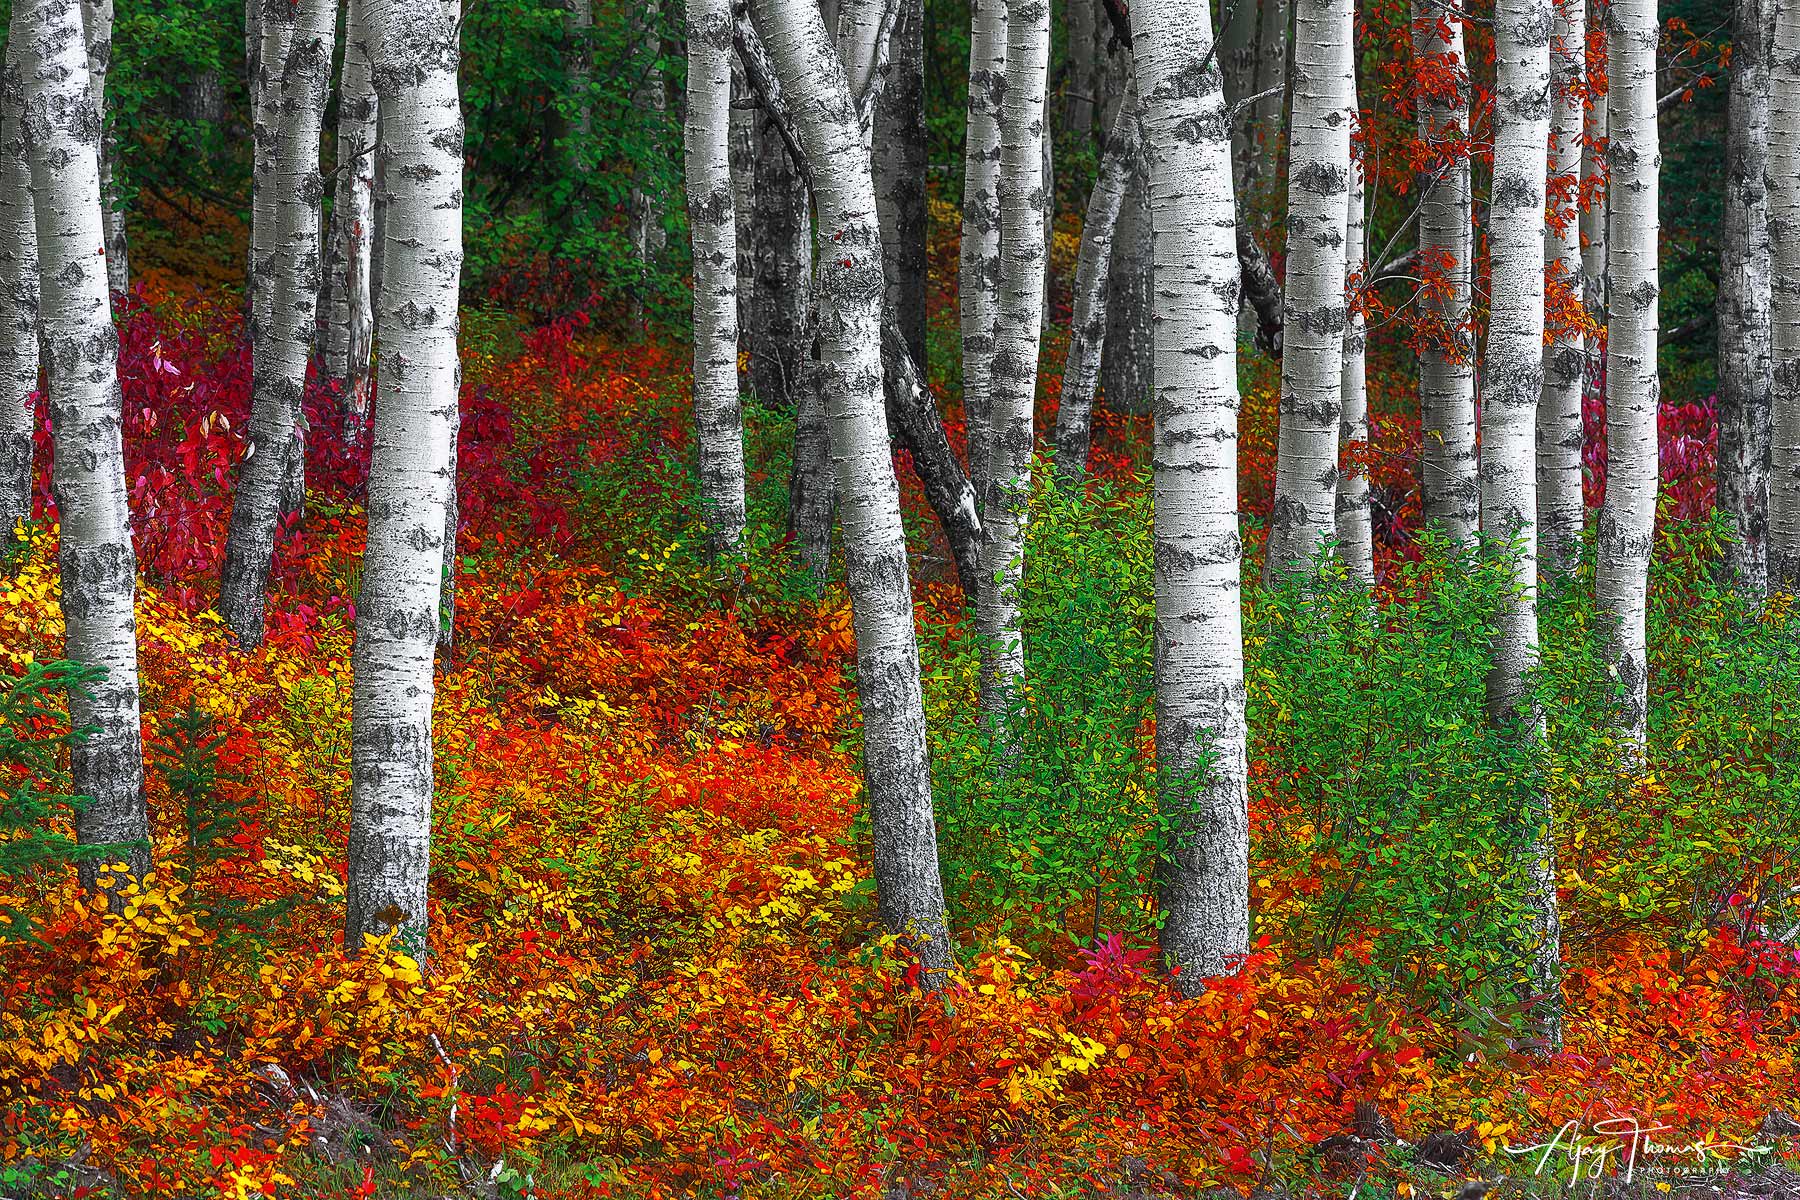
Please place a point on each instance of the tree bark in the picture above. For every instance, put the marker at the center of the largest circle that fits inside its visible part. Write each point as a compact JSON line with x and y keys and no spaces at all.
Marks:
{"x":849,"y":295}
{"x":1087,"y":327}
{"x":1450,"y":492}
{"x":1784,"y":321}
{"x":1627,"y":519}
{"x":1303,"y":522}
{"x":744,"y":117}
{"x":397,"y":613}
{"x":718,"y":424}
{"x":579,"y":25}
{"x":274,"y":27}
{"x":780,"y":231}
{"x":978,"y":292}
{"x":812,"y":496}
{"x":1745,"y":290}
{"x":18,"y":305}
{"x":98,"y":566}
{"x":1594,"y":220}
{"x":1126,"y":369}
{"x":97,"y":26}
{"x":1355,"y":533}
{"x":899,"y":163}
{"x":1203,"y":883}
{"x":281,"y":353}
{"x":1559,"y":504}
{"x":350,"y":317}
{"x":1006,"y":495}
{"x":947,"y":489}
{"x":1078,"y":88}
{"x":643,"y":214}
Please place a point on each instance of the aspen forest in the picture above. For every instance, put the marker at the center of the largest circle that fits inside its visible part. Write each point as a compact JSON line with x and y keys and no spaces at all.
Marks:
{"x":900,"y":599}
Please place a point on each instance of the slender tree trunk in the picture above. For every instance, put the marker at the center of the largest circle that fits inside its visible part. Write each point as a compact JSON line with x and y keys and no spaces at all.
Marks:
{"x":1203,"y":883}
{"x":780,"y":344}
{"x":811,"y":491}
{"x":1274,"y":21}
{"x":1013,"y":388}
{"x":62,"y":135}
{"x":1126,"y":369}
{"x":643,"y":214}
{"x":280,"y":354}
{"x":908,"y":886}
{"x":18,"y":305}
{"x":1559,"y":503}
{"x":1238,"y":54}
{"x":1627,"y":519}
{"x":948,"y":491}
{"x":1451,"y":493}
{"x":97,"y":26}
{"x":1079,"y":17}
{"x":1784,"y":323}
{"x":1744,"y":299}
{"x":1312,"y":356}
{"x":397,"y":613}
{"x":978,"y":292}
{"x":1355,"y":533}
{"x":274,"y":25}
{"x":350,"y":317}
{"x":579,"y":24}
{"x":1514,"y":373}
{"x":718,"y":423}
{"x":899,"y":163}
{"x":744,"y":115}
{"x":1087,"y":327}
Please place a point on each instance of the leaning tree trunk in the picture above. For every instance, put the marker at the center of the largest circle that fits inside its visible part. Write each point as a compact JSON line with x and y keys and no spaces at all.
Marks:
{"x":18,"y":305}
{"x":1355,"y":531}
{"x":908,"y":886}
{"x":644,"y":227}
{"x":743,"y":189}
{"x":978,"y":291}
{"x":98,"y":565}
{"x":1303,"y":522}
{"x":1450,"y":491}
{"x":397,"y":614}
{"x":1514,"y":372}
{"x":1559,"y":503}
{"x":1743,"y":302}
{"x":1087,"y":326}
{"x":718,"y":424}
{"x":97,"y":26}
{"x":1784,"y":321}
{"x":279,"y":357}
{"x":899,"y":164}
{"x":1017,"y":332}
{"x":1627,"y":519}
{"x":1203,"y":882}
{"x":350,"y":318}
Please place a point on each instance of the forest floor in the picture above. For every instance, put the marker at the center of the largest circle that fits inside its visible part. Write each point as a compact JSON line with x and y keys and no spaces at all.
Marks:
{"x":655,"y":967}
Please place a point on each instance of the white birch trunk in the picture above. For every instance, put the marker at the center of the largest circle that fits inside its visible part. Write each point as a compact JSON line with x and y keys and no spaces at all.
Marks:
{"x":579,"y":23}
{"x":1355,"y":532}
{"x":1745,"y":290}
{"x":1784,"y":321}
{"x":97,"y":28}
{"x":1627,"y":519}
{"x":1514,"y":380}
{"x":1203,"y":884}
{"x":1303,"y":522}
{"x":1079,"y":17}
{"x":350,"y":317}
{"x":744,"y":117}
{"x":18,"y":305}
{"x":1593,"y":224}
{"x":978,"y":292}
{"x":1087,"y":325}
{"x":1017,"y":333}
{"x":279,"y":357}
{"x":849,"y":297}
{"x":1450,"y":492}
{"x":1559,"y":503}
{"x":1514,"y":367}
{"x":900,"y":165}
{"x":99,"y":568}
{"x":718,"y":424}
{"x":397,"y":613}
{"x":275,"y":26}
